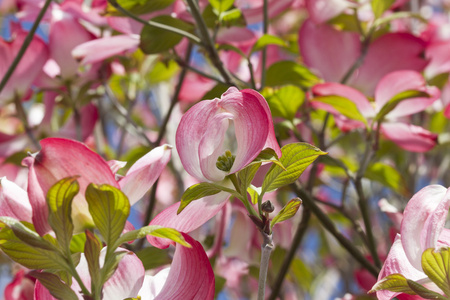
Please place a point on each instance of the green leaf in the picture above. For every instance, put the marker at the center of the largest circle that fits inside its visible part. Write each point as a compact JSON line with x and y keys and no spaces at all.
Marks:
{"x":380,"y":6}
{"x":344,"y":106}
{"x":154,"y":230}
{"x":386,"y":175}
{"x":246,"y":175}
{"x":156,"y":40}
{"x":109,"y":208}
{"x":196,"y":192}
{"x":266,"y":40}
{"x":138,"y":7}
{"x":436,"y":264}
{"x":233,"y":17}
{"x":92,"y":250}
{"x":394,"y":101}
{"x":289,"y":72}
{"x":221,"y":5}
{"x":295,"y":158}
{"x":253,"y":192}
{"x":59,"y":202}
{"x":54,"y":285}
{"x":29,"y":256}
{"x":217,"y":90}
{"x":424,"y":292}
{"x":25,"y":232}
{"x":288,"y":211}
{"x":395,"y":283}
{"x":162,"y":71}
{"x":286,"y":101}
{"x":267,"y":155}
{"x":77,"y":243}
{"x":153,"y":257}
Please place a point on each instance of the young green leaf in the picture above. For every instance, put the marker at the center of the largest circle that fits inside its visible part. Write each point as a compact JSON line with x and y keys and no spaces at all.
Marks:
{"x":288,"y":211}
{"x":380,"y":6}
{"x":267,"y":155}
{"x":156,"y":40}
{"x":196,"y":192}
{"x":395,"y":283}
{"x":436,"y":264}
{"x":233,"y":17}
{"x":29,"y":256}
{"x":246,"y":175}
{"x":295,"y":158}
{"x":266,"y":40}
{"x":77,"y":242}
{"x":289,"y":72}
{"x":394,"y":101}
{"x":344,"y":106}
{"x":92,"y":250}
{"x":59,"y":202}
{"x":54,"y":285}
{"x":154,"y":230}
{"x":221,"y":5}
{"x":424,"y":292}
{"x":25,"y":232}
{"x":253,"y":192}
{"x":109,"y":208}
{"x":286,"y":101}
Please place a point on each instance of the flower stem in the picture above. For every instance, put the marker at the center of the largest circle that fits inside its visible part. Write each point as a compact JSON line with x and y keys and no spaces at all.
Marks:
{"x":24,"y":46}
{"x":267,"y":247}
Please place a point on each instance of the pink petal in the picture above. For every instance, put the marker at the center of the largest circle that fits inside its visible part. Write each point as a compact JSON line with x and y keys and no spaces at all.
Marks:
{"x":318,"y":44}
{"x":409,"y":137}
{"x":400,"y":81}
{"x":14,"y":201}
{"x":416,"y":213}
{"x":153,"y":285}
{"x":101,"y":49}
{"x":322,"y":10}
{"x":116,"y":165}
{"x":439,"y":57}
{"x":397,"y":262}
{"x":21,"y":288}
{"x":41,"y":293}
{"x":240,"y":37}
{"x":192,"y":273}
{"x":58,"y":159}
{"x":89,"y":117}
{"x":434,"y":224}
{"x":61,"y":52}
{"x":253,"y":9}
{"x":329,"y":89}
{"x":192,"y":217}
{"x":144,"y":172}
{"x":397,"y":51}
{"x":29,"y":67}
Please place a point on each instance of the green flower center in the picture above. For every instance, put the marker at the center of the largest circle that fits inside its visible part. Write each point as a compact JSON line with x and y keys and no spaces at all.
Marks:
{"x":226,"y":161}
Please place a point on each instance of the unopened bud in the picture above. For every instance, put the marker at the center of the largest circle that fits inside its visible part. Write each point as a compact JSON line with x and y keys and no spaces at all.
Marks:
{"x":267,"y":207}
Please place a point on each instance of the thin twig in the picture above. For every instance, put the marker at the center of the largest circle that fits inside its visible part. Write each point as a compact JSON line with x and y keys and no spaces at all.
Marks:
{"x":23,"y":117}
{"x":264,"y":51}
{"x":266,"y":250}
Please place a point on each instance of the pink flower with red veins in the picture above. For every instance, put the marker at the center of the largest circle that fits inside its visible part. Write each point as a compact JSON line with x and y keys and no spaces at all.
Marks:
{"x":61,"y":158}
{"x":201,"y":141}
{"x":422,"y":228}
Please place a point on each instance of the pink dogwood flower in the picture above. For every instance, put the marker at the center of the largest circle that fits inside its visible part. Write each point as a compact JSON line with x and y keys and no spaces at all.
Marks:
{"x":422,"y":228}
{"x":409,"y":137}
{"x":190,"y":276}
{"x":61,"y":158}
{"x":200,"y":140}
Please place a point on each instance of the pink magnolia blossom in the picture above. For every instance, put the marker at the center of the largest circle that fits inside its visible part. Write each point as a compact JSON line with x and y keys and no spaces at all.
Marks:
{"x":422,"y":228}
{"x":409,"y":137}
{"x":200,"y":140}
{"x":331,"y":53}
{"x":61,"y":158}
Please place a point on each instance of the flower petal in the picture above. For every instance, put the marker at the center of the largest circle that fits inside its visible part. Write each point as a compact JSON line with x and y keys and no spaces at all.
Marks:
{"x":192,"y":217}
{"x":434,"y":224}
{"x":322,"y":10}
{"x":397,"y":262}
{"x":409,"y":137}
{"x":416,"y":213}
{"x":318,"y":44}
{"x":14,"y":201}
{"x":144,"y":172}
{"x":192,"y":273}
{"x":400,"y":81}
